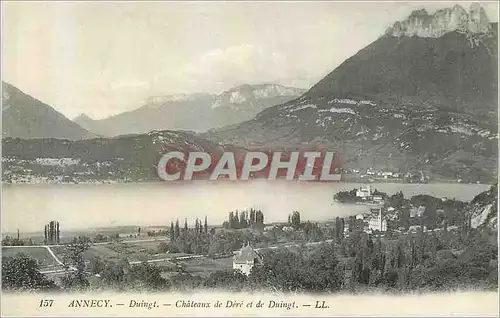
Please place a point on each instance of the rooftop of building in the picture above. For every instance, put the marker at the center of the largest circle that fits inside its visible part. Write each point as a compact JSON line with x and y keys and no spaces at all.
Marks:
{"x":247,"y":254}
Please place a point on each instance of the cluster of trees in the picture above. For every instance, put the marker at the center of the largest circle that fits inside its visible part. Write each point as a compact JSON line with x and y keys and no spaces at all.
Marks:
{"x":224,"y":243}
{"x":245,"y":219}
{"x":15,"y":241}
{"x":22,"y":273}
{"x":175,"y":231}
{"x":188,"y":240}
{"x":99,"y":238}
{"x":422,"y":260}
{"x":294,"y":219}
{"x":52,"y":233}
{"x":313,"y":233}
{"x":425,"y":262}
{"x":346,"y":196}
{"x":437,"y":212}
{"x":154,"y":233}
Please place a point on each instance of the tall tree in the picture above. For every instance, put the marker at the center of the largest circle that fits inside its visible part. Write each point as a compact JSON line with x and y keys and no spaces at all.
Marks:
{"x":231,"y":220}
{"x":52,"y":232}
{"x":177,"y":229}
{"x":397,"y":200}
{"x":236,"y":220}
{"x":58,"y":232}
{"x":243,"y":221}
{"x":73,"y":256}
{"x":172,"y":232}
{"x":259,"y":219}
{"x":296,"y":219}
{"x":351,"y":224}
{"x":206,"y":225}
{"x":337,"y":227}
{"x":404,"y":217}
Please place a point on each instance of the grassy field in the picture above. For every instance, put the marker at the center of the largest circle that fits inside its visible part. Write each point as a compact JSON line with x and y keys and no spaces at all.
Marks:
{"x":206,"y":266}
{"x":132,"y":252}
{"x":115,"y":252}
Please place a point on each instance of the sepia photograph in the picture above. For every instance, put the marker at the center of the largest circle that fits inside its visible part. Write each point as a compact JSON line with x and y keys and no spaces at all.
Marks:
{"x":240,"y":158}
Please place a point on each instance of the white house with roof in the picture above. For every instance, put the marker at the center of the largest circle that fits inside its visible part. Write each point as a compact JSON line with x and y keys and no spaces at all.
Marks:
{"x":246,"y":258}
{"x":417,"y":212}
{"x":269,"y":228}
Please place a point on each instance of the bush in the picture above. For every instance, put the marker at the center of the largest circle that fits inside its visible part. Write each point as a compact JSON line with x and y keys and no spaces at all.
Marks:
{"x":22,"y":272}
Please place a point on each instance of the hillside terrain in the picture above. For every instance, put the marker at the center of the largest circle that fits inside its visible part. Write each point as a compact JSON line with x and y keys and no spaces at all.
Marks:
{"x":124,"y":159}
{"x":26,"y":117}
{"x":483,"y":209}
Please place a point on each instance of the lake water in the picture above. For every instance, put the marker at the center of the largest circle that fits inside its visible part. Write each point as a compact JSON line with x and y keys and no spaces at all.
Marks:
{"x":29,"y":207}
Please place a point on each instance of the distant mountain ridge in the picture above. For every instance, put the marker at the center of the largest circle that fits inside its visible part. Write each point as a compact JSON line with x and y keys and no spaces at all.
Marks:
{"x":130,"y":158}
{"x":246,"y":95}
{"x":197,"y":112}
{"x":26,"y":117}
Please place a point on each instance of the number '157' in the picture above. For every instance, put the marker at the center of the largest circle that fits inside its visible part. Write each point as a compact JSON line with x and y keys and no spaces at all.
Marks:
{"x":46,"y":303}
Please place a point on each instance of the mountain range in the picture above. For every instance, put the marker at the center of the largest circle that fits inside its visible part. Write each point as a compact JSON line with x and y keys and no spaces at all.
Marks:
{"x":422,"y":97}
{"x":194,"y":112}
{"x":411,"y":100}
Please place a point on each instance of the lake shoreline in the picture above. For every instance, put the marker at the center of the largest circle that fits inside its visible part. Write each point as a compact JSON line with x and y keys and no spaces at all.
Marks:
{"x":100,"y":205}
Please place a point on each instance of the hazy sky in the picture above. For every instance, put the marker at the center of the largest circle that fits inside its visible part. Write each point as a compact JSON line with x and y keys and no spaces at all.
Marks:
{"x":105,"y":58}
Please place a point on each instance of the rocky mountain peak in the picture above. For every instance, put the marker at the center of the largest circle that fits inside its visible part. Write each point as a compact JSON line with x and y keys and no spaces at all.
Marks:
{"x":421,"y":23}
{"x":478,"y":20}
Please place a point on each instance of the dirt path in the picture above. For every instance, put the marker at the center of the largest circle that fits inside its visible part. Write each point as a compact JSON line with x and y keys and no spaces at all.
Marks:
{"x":58,"y":261}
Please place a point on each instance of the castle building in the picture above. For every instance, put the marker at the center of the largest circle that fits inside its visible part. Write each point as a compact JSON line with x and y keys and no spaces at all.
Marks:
{"x":364,"y":192}
{"x":246,"y":259}
{"x":376,"y":221}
